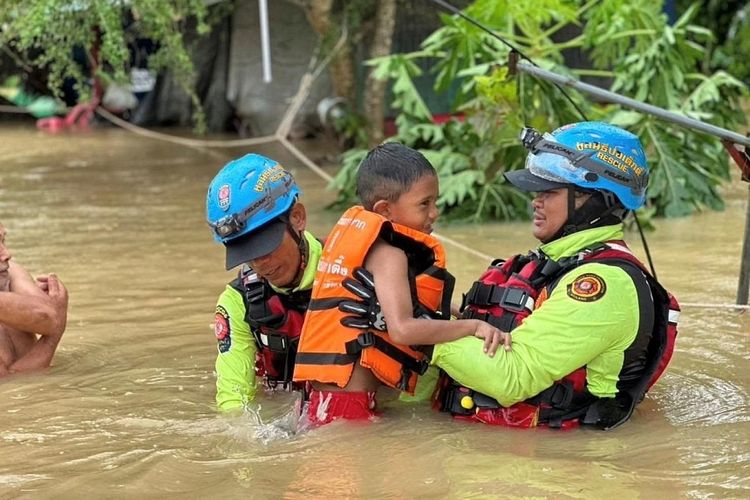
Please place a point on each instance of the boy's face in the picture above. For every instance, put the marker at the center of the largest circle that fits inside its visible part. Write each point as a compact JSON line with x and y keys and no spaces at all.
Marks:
{"x":417,"y":208}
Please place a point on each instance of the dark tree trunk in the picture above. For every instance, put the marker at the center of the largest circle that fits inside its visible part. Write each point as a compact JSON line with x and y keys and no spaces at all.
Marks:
{"x":374,"y":96}
{"x":342,"y":65}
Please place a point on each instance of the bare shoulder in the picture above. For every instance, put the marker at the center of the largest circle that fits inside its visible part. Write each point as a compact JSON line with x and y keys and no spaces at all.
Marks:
{"x":383,"y":255}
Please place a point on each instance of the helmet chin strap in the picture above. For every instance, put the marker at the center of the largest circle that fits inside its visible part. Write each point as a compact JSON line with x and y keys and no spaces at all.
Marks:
{"x":303,"y":249}
{"x":304,"y":258}
{"x":570,"y":226}
{"x":601,"y":209}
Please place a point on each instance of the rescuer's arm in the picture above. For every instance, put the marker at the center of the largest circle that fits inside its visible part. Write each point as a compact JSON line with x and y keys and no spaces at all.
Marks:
{"x":388,"y":266}
{"x":235,"y":362}
{"x":568,"y":331}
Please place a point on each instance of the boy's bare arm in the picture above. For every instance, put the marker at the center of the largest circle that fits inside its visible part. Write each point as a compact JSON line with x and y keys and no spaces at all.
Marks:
{"x":388,"y":266}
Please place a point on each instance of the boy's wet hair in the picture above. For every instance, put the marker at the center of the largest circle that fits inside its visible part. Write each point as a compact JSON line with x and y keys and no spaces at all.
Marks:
{"x":388,"y":171}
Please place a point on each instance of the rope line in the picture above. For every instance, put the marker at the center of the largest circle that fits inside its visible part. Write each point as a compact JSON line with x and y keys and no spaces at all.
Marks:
{"x":183,"y":141}
{"x":281,"y":135}
{"x":14,"y":109}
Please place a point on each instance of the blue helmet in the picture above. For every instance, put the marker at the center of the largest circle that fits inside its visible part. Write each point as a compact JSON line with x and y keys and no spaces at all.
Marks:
{"x":590,"y":155}
{"x":250,"y":195}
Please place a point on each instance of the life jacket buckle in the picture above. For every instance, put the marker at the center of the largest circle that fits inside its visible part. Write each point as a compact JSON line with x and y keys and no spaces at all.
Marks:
{"x":366,"y":339}
{"x":276,"y":342}
{"x":255,"y":288}
{"x":514,"y":299}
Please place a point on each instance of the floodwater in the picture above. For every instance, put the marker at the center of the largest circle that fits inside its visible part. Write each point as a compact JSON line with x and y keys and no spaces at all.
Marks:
{"x":126,"y":411}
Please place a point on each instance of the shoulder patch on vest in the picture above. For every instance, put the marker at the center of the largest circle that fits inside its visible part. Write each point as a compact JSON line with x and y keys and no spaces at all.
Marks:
{"x":587,"y":288}
{"x":222,"y":330}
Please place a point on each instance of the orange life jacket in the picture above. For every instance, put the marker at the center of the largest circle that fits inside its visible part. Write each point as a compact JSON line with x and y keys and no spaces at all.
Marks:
{"x":328,"y":349}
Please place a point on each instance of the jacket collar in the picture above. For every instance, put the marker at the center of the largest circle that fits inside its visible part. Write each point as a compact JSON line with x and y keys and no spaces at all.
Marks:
{"x":573,"y":243}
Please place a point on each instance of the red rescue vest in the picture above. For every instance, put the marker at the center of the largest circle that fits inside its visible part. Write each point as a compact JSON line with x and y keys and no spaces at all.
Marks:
{"x":509,"y":291}
{"x":276,"y":322}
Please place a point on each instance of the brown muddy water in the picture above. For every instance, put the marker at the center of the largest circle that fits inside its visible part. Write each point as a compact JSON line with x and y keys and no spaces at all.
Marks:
{"x":127,"y":411}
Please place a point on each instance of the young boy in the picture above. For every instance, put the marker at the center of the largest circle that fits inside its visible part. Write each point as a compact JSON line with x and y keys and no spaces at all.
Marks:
{"x":390,"y":237}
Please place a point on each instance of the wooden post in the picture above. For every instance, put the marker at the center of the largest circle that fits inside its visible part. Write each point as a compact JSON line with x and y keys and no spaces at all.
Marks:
{"x":743,"y":288}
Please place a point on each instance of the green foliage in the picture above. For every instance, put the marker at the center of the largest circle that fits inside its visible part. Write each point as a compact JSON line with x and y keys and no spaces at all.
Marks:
{"x":729,"y":21}
{"x":48,"y":31}
{"x":736,"y":48}
{"x":627,"y":40}
{"x":685,"y":170}
{"x":345,"y":180}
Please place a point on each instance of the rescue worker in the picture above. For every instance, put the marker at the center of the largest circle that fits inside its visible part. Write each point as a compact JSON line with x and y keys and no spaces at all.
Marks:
{"x":592,"y":329}
{"x":346,"y":359}
{"x":253,"y":209}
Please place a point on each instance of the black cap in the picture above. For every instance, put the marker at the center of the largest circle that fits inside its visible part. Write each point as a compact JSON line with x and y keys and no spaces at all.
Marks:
{"x":526,"y":181}
{"x":255,"y":244}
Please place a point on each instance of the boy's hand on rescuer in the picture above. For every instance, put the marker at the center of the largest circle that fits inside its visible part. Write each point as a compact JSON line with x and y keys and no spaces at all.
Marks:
{"x":492,"y":338}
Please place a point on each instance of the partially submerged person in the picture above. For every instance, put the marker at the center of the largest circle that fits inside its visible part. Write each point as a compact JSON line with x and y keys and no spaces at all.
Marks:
{"x":592,"y":329}
{"x":253,"y":208}
{"x":389,"y":236}
{"x":33,"y":315}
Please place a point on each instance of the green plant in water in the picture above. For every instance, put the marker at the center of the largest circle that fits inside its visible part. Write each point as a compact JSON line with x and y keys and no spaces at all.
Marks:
{"x":49,"y":31}
{"x":628,"y":41}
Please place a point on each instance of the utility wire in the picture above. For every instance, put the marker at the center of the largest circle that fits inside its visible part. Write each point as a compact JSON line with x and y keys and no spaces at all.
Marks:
{"x":516,"y":50}
{"x":455,"y":10}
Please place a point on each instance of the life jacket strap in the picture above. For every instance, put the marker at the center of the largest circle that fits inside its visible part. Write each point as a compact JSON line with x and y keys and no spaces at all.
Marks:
{"x":369,"y":339}
{"x":559,"y":396}
{"x":561,"y":402}
{"x":505,"y":322}
{"x":510,"y":298}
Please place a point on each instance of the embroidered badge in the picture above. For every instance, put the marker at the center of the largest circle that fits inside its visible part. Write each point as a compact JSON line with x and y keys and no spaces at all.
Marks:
{"x":225,"y":196}
{"x":221,"y":329}
{"x":587,"y":288}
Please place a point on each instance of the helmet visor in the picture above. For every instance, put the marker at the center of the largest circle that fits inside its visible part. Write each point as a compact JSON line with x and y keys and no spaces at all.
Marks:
{"x":543,"y":171}
{"x":525,"y":180}
{"x":255,"y":244}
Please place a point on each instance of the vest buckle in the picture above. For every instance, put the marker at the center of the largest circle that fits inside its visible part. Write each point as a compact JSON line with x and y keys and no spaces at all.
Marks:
{"x":275,"y":342}
{"x":366,"y":339}
{"x":515,"y":299}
